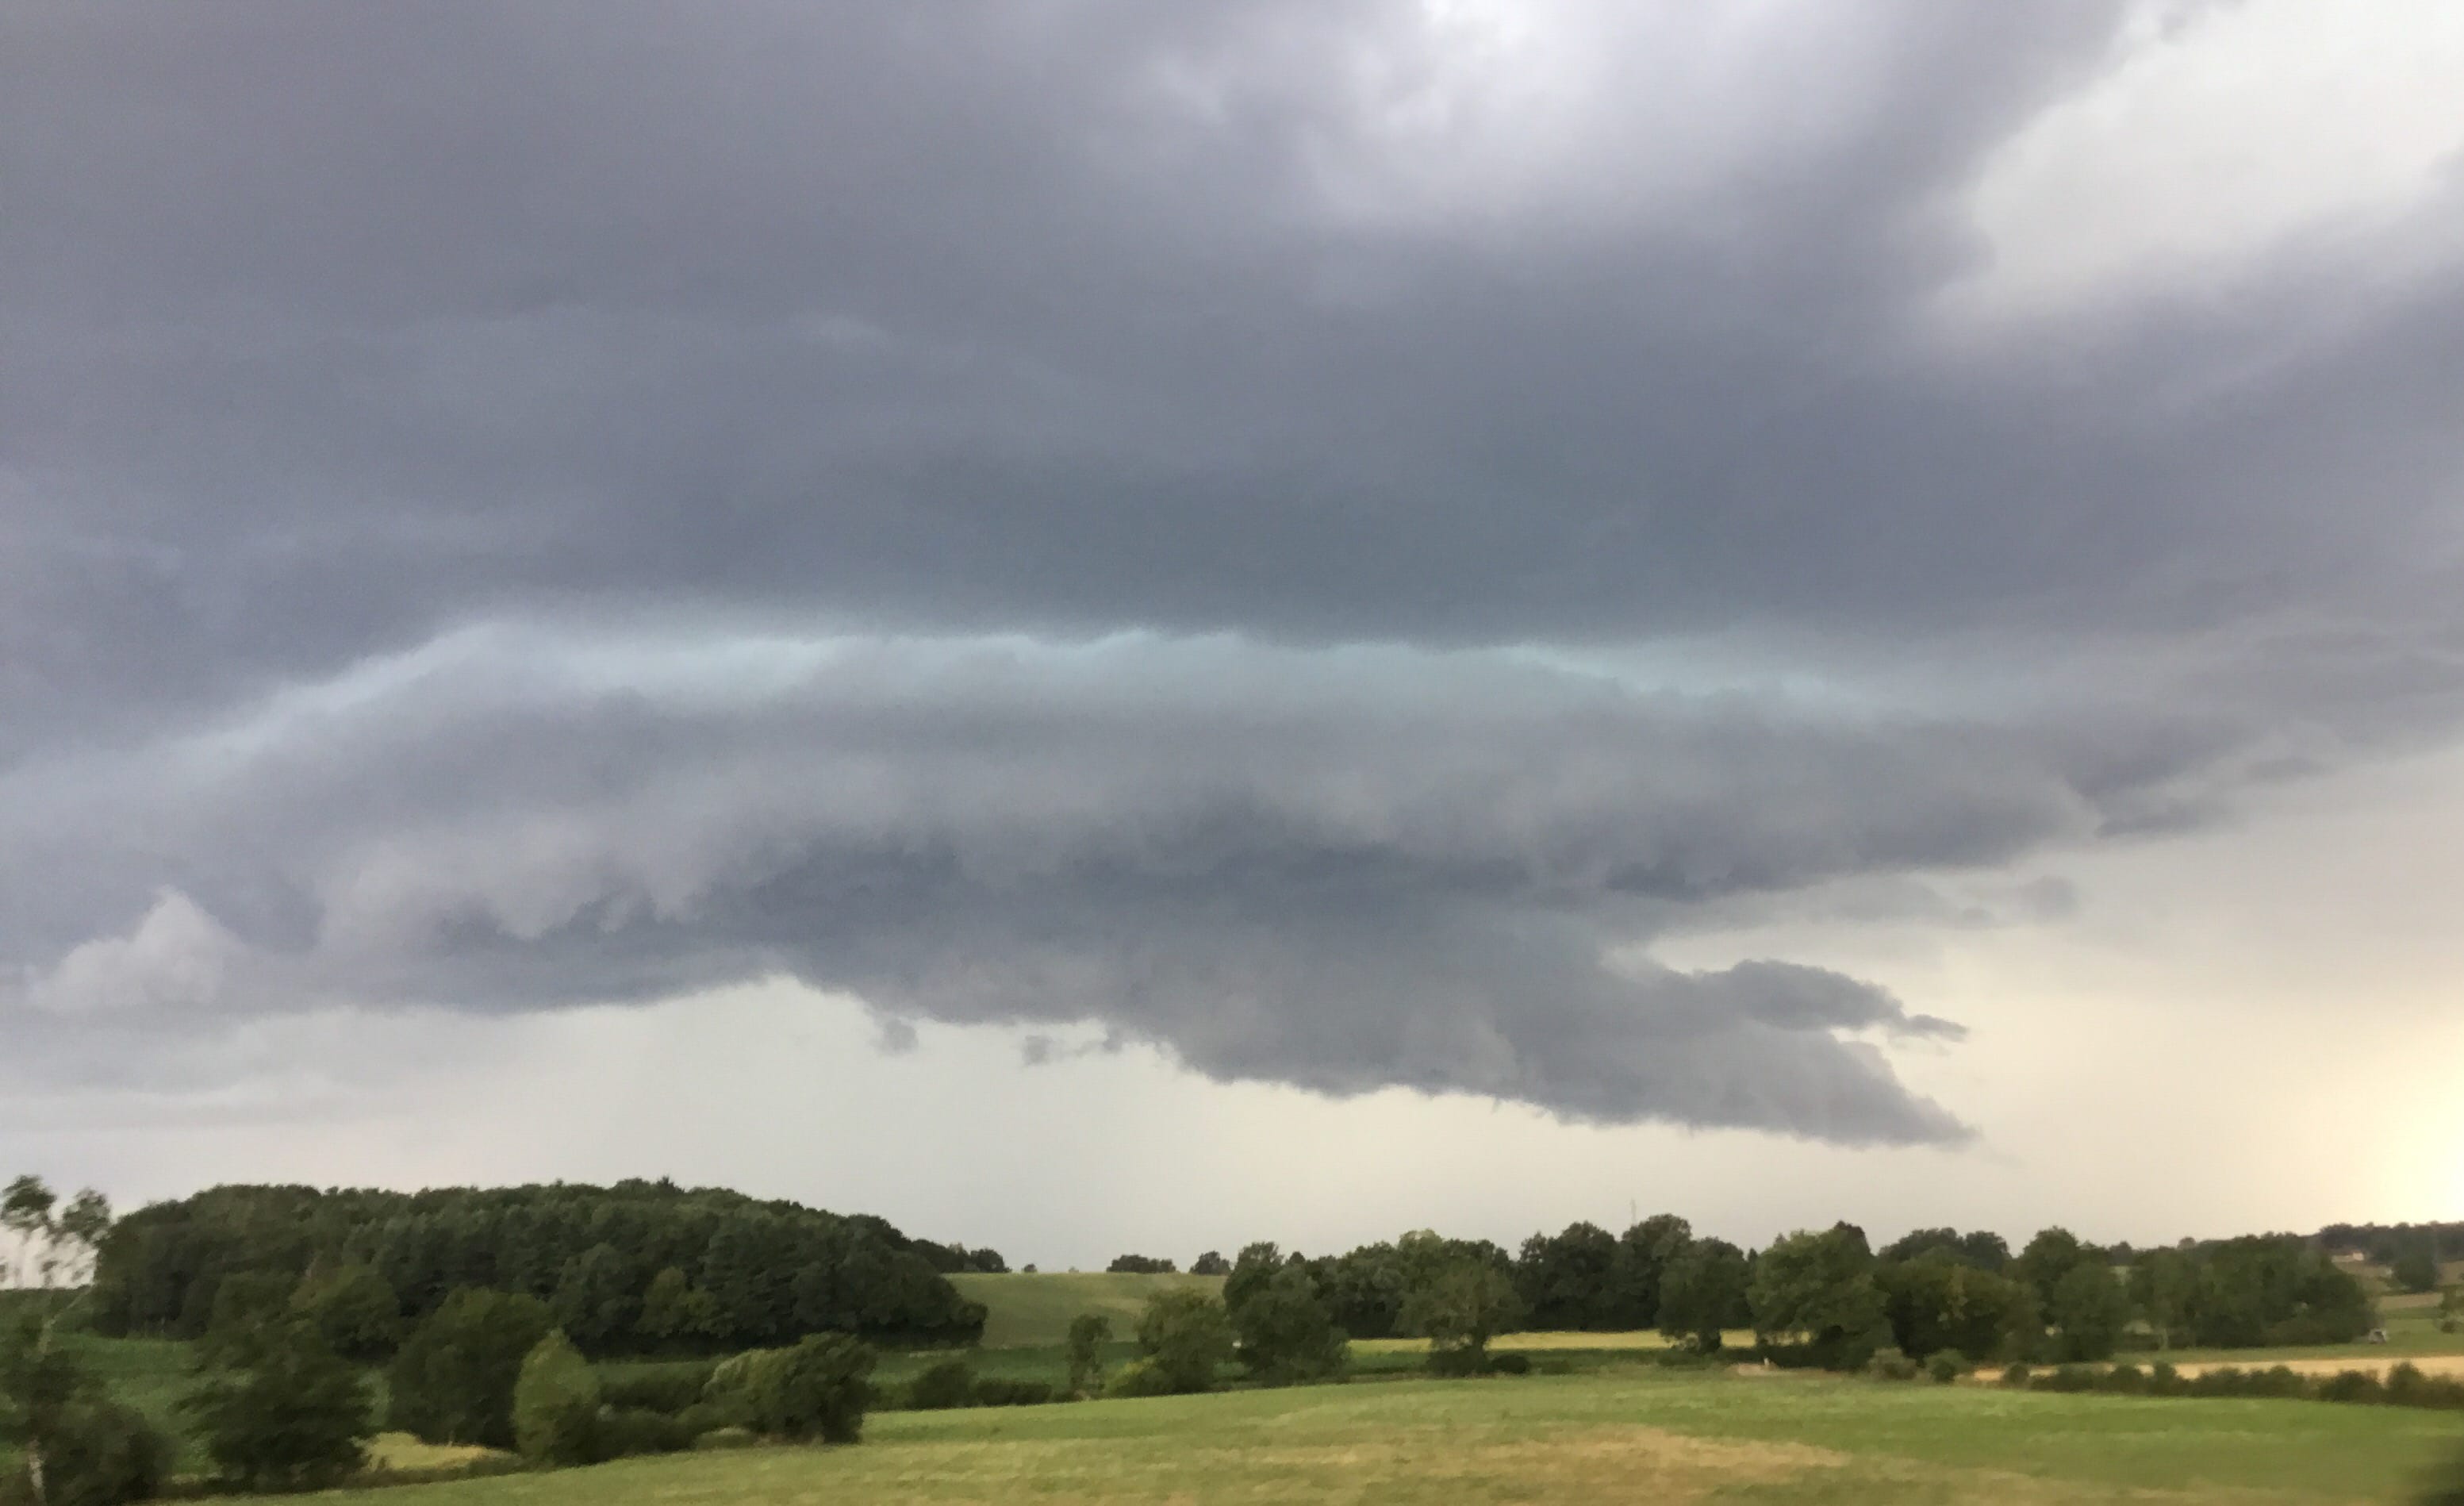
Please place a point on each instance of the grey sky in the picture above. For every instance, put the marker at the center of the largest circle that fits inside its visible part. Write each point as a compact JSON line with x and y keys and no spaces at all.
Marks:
{"x":1329,"y":543}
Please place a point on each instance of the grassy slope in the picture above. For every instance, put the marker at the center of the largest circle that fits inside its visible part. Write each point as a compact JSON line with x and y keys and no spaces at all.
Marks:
{"x":1031,"y":1311}
{"x":1634,"y":1435}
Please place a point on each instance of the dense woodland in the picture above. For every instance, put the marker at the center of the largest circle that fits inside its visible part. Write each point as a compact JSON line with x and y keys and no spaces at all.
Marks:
{"x":641,"y":1267}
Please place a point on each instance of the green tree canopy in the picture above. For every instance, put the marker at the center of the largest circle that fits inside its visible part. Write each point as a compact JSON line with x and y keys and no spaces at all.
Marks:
{"x":1703,"y":1292}
{"x":1185,"y":1336}
{"x":556,"y":1404}
{"x":453,"y":1379}
{"x":1460,"y":1305}
{"x":290,"y":1414}
{"x":1285,"y":1331}
{"x":1820,"y":1286}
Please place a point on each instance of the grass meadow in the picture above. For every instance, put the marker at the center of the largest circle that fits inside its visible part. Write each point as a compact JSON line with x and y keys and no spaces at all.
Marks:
{"x":1602,"y":1418}
{"x":1637,"y":1433}
{"x":1035,"y":1311}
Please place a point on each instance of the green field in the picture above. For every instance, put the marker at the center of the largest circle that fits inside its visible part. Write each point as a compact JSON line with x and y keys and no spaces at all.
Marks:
{"x":1602,"y":1418}
{"x":1034,"y":1310}
{"x":1637,"y":1435}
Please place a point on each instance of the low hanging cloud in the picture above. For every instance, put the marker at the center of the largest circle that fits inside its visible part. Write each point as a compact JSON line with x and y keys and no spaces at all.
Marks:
{"x":1343,"y":871}
{"x":1311,"y":535}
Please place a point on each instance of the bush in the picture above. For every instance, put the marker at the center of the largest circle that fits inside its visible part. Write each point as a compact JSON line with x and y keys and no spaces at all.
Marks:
{"x":997,"y":1391}
{"x":2069,"y":1378}
{"x":624,"y":1431}
{"x":1139,"y":1378}
{"x":299,"y":1418}
{"x":2017,"y":1375}
{"x":2124,"y":1380}
{"x":945,"y":1386}
{"x":1510,"y":1364}
{"x":1890,"y":1365}
{"x":2163,"y":1380}
{"x":98,"y":1452}
{"x":1947,"y":1365}
{"x":556,"y":1405}
{"x":2353,"y":1387}
{"x":817,"y":1390}
{"x":669,"y":1389}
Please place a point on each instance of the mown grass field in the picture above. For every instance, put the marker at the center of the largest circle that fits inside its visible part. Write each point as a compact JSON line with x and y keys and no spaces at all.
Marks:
{"x":1035,"y":1311}
{"x":1635,"y":1434}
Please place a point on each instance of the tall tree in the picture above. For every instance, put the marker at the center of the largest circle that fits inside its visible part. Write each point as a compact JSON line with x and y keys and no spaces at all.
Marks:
{"x":1286,"y":1334}
{"x":1821,"y":1286}
{"x":290,"y":1414}
{"x":1458,"y":1305}
{"x":1703,"y":1294}
{"x":1563,"y":1280}
{"x":1643,"y":1254}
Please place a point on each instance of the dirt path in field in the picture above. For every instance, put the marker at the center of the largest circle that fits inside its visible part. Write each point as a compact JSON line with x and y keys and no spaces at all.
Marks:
{"x":2377,"y":1365}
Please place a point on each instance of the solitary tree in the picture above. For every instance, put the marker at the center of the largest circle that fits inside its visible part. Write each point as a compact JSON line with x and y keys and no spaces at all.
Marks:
{"x":1459,"y":1306}
{"x":1285,"y":1333}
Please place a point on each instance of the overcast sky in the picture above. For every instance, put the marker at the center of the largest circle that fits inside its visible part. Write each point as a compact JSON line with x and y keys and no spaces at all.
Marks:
{"x":1094,"y":625}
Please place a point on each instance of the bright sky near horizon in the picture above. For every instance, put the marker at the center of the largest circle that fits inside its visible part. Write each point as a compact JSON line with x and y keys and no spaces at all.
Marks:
{"x":1095,"y":625}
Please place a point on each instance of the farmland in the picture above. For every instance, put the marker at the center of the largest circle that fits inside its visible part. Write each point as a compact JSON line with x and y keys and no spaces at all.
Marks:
{"x":1634,"y":1433}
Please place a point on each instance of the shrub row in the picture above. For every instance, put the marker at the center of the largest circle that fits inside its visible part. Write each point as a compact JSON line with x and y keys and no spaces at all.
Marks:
{"x":953,"y":1383}
{"x":2405,"y":1386}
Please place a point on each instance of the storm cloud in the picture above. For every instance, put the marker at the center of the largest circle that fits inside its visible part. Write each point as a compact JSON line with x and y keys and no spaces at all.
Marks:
{"x":1307,"y":535}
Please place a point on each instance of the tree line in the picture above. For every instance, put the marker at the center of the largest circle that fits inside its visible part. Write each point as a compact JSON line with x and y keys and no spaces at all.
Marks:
{"x":637,"y":1268}
{"x":1838,"y":1301}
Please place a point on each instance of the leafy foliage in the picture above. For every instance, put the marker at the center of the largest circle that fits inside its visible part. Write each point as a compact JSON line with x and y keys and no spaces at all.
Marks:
{"x":1460,"y":1305}
{"x":1285,"y":1331}
{"x":1822,"y":1287}
{"x":2089,"y":1310}
{"x":556,"y":1405}
{"x":353,"y":1307}
{"x":1089,"y":1333}
{"x":1939,"y":1301}
{"x":767,"y":1272}
{"x":1184,"y":1336}
{"x":286,"y":1414}
{"x":453,"y":1381}
{"x":817,"y":1388}
{"x":90,"y":1449}
{"x":1703,"y":1292}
